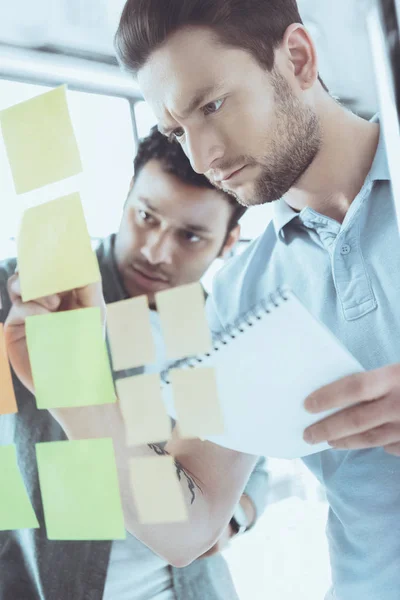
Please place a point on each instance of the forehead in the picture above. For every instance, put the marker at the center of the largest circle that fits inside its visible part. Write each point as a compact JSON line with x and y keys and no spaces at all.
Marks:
{"x":180,"y":203}
{"x":191,"y":60}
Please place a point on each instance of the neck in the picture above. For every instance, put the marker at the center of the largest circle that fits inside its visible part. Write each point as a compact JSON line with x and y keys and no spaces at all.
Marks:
{"x":339,"y":170}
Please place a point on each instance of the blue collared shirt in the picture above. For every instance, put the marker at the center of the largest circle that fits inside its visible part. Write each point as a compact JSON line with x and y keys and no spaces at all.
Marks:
{"x":348,"y":276}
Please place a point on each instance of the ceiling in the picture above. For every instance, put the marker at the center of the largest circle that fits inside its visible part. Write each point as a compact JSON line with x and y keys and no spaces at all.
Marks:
{"x":85,"y":28}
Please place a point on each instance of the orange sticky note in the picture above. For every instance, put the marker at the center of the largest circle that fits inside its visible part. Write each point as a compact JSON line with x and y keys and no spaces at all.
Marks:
{"x":183,"y":321}
{"x":156,"y":490}
{"x":8,"y":403}
{"x":198,"y":410}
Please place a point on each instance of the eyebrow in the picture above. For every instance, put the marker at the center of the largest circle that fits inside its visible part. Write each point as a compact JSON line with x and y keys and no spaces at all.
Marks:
{"x":198,"y":100}
{"x":184,"y":226}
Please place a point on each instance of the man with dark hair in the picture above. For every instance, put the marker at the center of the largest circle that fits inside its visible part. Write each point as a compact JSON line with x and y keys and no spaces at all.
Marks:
{"x":174,"y":225}
{"x":236,"y":82}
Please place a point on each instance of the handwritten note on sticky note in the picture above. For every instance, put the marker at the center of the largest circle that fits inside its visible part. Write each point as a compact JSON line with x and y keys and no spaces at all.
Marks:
{"x":183,"y":321}
{"x":8,"y":404}
{"x":156,"y":489}
{"x":129,"y":331}
{"x":146,"y":420}
{"x":80,"y":490}
{"x":196,"y":402}
{"x":69,"y":359}
{"x":54,"y":249}
{"x":40,"y":141}
{"x":16,"y":511}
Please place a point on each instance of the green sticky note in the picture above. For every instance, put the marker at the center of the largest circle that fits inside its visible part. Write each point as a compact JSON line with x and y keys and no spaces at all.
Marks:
{"x":40,"y":141}
{"x":16,"y":511}
{"x":69,"y":360}
{"x":54,"y":249}
{"x":80,"y":490}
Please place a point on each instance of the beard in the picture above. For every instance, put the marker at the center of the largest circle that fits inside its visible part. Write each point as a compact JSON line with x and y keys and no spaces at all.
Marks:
{"x":292,"y":146}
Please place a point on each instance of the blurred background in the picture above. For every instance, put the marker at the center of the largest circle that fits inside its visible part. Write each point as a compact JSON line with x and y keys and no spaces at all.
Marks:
{"x":50,"y":42}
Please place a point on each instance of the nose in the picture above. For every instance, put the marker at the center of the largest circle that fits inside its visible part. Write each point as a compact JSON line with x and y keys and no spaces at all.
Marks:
{"x":203,"y":148}
{"x":158,"y":248}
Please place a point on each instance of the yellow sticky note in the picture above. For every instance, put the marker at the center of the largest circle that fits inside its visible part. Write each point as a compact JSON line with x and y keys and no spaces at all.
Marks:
{"x":40,"y":141}
{"x":16,"y":511}
{"x":8,"y":403}
{"x":80,"y":490}
{"x":54,"y":249}
{"x":146,"y":420}
{"x":198,"y":409}
{"x":157,"y":491}
{"x":183,"y":321}
{"x":69,"y":360}
{"x":129,"y":331}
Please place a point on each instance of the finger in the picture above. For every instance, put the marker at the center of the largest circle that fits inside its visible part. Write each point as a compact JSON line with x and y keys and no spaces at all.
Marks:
{"x":393,"y":449}
{"x":360,"y":387}
{"x":21,"y":310}
{"x":51,"y":302}
{"x":374,"y":438}
{"x":90,"y":295}
{"x":14,"y":287}
{"x":356,"y":419}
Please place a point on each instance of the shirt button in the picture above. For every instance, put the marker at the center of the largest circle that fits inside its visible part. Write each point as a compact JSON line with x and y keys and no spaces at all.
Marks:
{"x":345,"y":249}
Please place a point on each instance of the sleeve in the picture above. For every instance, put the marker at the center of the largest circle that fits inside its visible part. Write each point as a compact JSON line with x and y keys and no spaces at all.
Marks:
{"x":257,"y":487}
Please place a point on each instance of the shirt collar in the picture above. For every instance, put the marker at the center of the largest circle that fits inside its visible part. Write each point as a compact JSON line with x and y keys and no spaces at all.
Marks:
{"x":380,"y":167}
{"x":283,"y":214}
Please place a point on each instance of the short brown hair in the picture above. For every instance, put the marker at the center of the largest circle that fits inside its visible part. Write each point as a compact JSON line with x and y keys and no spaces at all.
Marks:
{"x":257,"y":26}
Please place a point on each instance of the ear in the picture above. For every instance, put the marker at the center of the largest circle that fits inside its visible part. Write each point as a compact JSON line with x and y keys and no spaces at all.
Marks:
{"x":301,"y":55}
{"x":233,"y":237}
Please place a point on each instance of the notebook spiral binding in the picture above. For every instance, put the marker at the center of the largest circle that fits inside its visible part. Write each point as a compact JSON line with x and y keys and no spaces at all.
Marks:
{"x":234,"y":330}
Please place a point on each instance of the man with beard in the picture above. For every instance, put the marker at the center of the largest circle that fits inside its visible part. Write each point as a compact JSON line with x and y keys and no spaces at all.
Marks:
{"x":236,"y":83}
{"x":174,"y":225}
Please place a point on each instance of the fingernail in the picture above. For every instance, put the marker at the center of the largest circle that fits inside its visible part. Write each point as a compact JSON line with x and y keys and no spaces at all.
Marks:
{"x":309,"y":404}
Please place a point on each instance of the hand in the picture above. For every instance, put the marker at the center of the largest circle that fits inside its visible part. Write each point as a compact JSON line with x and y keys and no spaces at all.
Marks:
{"x":374,"y":422}
{"x":222,"y":544}
{"x":14,"y":327}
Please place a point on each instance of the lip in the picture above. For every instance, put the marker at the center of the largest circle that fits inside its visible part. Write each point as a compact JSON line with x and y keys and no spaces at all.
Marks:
{"x":233,"y":174}
{"x":149,"y":282}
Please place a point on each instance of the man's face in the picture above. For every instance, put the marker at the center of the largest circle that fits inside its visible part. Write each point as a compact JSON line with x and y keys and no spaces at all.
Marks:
{"x":246,"y":129}
{"x":170,"y":232}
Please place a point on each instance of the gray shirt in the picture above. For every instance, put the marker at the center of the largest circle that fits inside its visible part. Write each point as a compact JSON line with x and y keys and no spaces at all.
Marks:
{"x":34,"y":568}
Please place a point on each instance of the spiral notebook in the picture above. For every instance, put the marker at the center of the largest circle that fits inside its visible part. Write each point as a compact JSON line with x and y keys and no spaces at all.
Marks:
{"x":266,"y":364}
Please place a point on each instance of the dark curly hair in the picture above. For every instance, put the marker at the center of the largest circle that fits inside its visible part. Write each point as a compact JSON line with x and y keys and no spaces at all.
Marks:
{"x":174,"y":161}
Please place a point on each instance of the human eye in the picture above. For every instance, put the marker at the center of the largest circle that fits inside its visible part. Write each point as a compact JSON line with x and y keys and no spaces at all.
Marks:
{"x":212,"y":107}
{"x":145,"y":217}
{"x":190,"y":237}
{"x":176,"y":135}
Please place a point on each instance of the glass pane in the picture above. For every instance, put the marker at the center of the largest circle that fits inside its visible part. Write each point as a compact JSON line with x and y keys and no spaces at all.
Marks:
{"x":103,"y":129}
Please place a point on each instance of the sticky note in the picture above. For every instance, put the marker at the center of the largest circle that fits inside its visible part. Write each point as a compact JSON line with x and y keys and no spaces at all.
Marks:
{"x":129,"y":331}
{"x":16,"y":511}
{"x":69,"y":360}
{"x":80,"y":490}
{"x":146,"y":419}
{"x":157,"y":491}
{"x":8,"y":403}
{"x":183,"y":321}
{"x":40,"y":141}
{"x":196,"y":402}
{"x":54,"y":249}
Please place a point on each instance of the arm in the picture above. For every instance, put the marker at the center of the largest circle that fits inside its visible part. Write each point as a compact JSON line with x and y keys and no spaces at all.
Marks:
{"x":252,"y":503}
{"x":212,"y":478}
